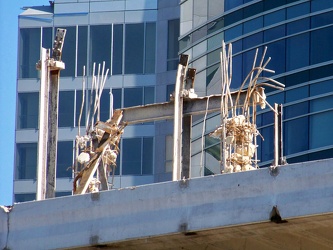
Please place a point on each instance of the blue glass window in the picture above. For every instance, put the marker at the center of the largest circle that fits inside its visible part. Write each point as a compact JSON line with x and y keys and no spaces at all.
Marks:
{"x":28,"y":109}
{"x":150,"y":48}
{"x":173,"y":45}
{"x":322,"y":103}
{"x":297,"y":94}
{"x":276,"y":51}
{"x":317,"y":5}
{"x":82,"y":49}
{"x":298,"y":51}
{"x":78,"y":109}
{"x":275,"y":17}
{"x":116,"y":93}
{"x":252,"y":25}
{"x":26,"y":161}
{"x":134,"y":48}
{"x":321,"y":87}
{"x":296,"y":110}
{"x":267,"y":146}
{"x":274,"y":33}
{"x":29,"y":52}
{"x":100,"y":52}
{"x":47,"y":38}
{"x":298,"y":10}
{"x":322,"y":19}
{"x":131,"y":156}
{"x":233,"y":32}
{"x":297,"y":78}
{"x":147,"y":155}
{"x":64,"y":159}
{"x":321,"y":132}
{"x":229,"y":4}
{"x":69,"y":52}
{"x":296,"y":135}
{"x":105,"y":105}
{"x":117,"y":56}
{"x":298,"y":26}
{"x":253,"y":40}
{"x":66,"y":109}
{"x":321,"y":44}
{"x":132,"y":97}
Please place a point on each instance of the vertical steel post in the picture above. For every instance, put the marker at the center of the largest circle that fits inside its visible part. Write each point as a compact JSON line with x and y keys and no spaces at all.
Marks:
{"x":52,"y":134}
{"x":278,"y":143}
{"x":178,"y":117}
{"x":42,"y":124}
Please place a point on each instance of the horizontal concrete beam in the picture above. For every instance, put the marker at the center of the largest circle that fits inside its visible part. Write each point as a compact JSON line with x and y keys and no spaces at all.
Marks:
{"x":165,"y":111}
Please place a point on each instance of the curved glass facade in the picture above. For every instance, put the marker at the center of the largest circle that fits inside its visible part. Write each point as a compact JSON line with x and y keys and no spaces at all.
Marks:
{"x":298,"y":35}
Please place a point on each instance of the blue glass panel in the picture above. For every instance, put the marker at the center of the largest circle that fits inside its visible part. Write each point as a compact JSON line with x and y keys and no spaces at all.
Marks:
{"x":321,"y":72}
{"x":271,"y":4}
{"x":29,"y":52}
{"x":147,"y":157}
{"x":64,"y":159}
{"x":321,"y":87}
{"x":105,"y":105}
{"x":116,"y":94}
{"x":296,"y":135}
{"x":298,"y":51}
{"x":253,"y":9}
{"x":296,"y":110}
{"x":275,"y":17}
{"x":298,"y":26}
{"x":173,"y":45}
{"x":78,"y":109}
{"x":321,"y":104}
{"x":253,"y":24}
{"x":321,"y":132}
{"x":322,"y":19}
{"x":276,"y":51}
{"x":267,"y":146}
{"x":26,"y":161}
{"x":69,"y":52}
{"x":267,"y":118}
{"x":321,"y":45}
{"x":132,"y":97}
{"x":229,"y":4}
{"x":117,"y":57}
{"x":233,"y":32}
{"x":253,"y":40}
{"x":27,"y":109}
{"x":100,"y":52}
{"x":150,"y":48}
{"x":317,"y":5}
{"x":297,"y":94}
{"x":298,"y":10}
{"x":274,"y":33}
{"x":82,"y":50}
{"x":131,"y":156}
{"x":237,"y":77}
{"x":66,"y":109}
{"x":233,"y":17}
{"x":149,"y":95}
{"x":47,"y":38}
{"x":134,"y":43}
{"x":297,"y":78}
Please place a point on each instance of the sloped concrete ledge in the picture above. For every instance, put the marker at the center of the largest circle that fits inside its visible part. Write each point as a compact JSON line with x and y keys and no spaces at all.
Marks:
{"x":198,"y":204}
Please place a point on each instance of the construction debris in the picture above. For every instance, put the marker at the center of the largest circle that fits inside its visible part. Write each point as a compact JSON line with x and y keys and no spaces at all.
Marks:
{"x":238,"y":130}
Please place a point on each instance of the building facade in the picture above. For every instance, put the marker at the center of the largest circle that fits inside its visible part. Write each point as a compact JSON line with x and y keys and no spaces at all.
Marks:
{"x":138,"y":41}
{"x":142,"y":40}
{"x":297,"y":35}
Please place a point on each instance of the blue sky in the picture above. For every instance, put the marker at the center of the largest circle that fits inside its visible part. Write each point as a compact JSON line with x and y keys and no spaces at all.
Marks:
{"x":9,"y":11}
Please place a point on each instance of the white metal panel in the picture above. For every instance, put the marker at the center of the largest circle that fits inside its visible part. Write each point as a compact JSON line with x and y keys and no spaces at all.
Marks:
{"x":106,"y":17}
{"x":35,"y":21}
{"x":26,"y":136}
{"x":69,"y":8}
{"x":141,"y":4}
{"x":71,"y":19}
{"x":107,"y":6}
{"x":140,"y":16}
